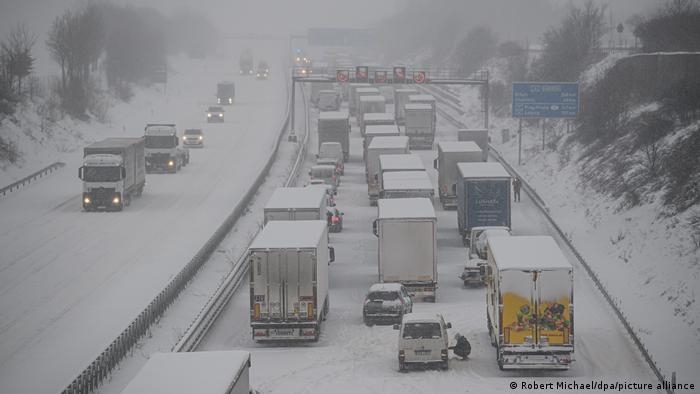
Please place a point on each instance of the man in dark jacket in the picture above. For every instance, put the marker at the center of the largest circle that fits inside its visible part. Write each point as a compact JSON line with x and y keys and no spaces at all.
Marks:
{"x":463,"y":347}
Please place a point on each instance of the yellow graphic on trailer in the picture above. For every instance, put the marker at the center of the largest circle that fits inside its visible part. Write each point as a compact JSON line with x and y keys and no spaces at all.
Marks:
{"x":520,"y":320}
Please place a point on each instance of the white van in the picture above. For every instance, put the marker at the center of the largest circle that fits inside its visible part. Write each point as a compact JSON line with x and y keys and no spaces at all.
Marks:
{"x":423,"y":340}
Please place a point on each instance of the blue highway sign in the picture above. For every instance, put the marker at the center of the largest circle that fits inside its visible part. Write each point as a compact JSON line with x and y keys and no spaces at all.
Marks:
{"x":545,"y":99}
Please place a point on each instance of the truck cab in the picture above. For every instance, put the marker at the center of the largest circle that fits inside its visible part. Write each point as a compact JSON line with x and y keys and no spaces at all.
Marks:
{"x":162,"y":148}
{"x":225,"y":93}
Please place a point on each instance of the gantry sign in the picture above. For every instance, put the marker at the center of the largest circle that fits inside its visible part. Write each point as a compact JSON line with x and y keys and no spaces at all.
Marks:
{"x":400,"y":75}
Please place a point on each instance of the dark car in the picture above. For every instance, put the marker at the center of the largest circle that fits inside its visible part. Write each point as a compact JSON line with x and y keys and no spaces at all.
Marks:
{"x":193,"y":138}
{"x":263,"y":70}
{"x":215,"y":114}
{"x":386,"y":303}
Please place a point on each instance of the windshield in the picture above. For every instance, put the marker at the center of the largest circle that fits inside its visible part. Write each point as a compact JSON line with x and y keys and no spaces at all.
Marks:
{"x":102,"y":174}
{"x":322,"y":173}
{"x":159,"y":141}
{"x":383,"y":296}
{"x":422,"y":330}
{"x":193,"y":132}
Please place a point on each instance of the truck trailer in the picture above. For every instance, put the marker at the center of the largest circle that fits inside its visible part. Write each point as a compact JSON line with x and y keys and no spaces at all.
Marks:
{"x":361,"y":92}
{"x":400,"y":100}
{"x":369,"y":105}
{"x":334,"y":126}
{"x":210,"y":372}
{"x":449,"y":154}
{"x":406,"y":184}
{"x":113,"y":172}
{"x":352,"y":95}
{"x":396,"y":163}
{"x":479,"y":136}
{"x":530,"y":303}
{"x":289,"y":280}
{"x":483,"y":196}
{"x":419,"y":120}
{"x":376,"y":118}
{"x":296,"y":203}
{"x":407,"y":230}
{"x":381,"y":146}
{"x":380,"y":130}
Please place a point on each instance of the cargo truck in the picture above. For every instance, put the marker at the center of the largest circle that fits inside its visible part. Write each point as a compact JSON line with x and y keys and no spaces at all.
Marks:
{"x":406,"y":184}
{"x":296,"y":203}
{"x":368,"y":105}
{"x":361,"y":92}
{"x":400,"y":100}
{"x":245,"y":62}
{"x":316,"y":88}
{"x":210,"y":372}
{"x":381,"y":146}
{"x":395,"y":163}
{"x":530,"y":303}
{"x":449,"y":154}
{"x":406,"y":229}
{"x":376,"y":118}
{"x":483,"y":196}
{"x":372,"y":131}
{"x":328,"y":100}
{"x":162,"y":150}
{"x":289,"y":280}
{"x":352,"y":95}
{"x":334,"y":126}
{"x":479,"y":136}
{"x":419,"y":125}
{"x":225,"y":93}
{"x":113,"y":172}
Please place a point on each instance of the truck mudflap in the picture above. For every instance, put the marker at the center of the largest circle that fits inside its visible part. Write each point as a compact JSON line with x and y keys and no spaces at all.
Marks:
{"x":521,"y":357}
{"x":286,"y":331}
{"x":422,"y":291}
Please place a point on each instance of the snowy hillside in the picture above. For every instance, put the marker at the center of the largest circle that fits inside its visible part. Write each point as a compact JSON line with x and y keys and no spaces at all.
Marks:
{"x":648,"y":259}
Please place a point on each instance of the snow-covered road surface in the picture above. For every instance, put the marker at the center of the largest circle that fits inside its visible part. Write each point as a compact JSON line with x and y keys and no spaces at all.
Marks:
{"x":71,"y":281}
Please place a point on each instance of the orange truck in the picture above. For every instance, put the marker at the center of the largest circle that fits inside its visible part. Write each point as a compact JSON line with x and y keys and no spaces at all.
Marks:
{"x":530,"y":307}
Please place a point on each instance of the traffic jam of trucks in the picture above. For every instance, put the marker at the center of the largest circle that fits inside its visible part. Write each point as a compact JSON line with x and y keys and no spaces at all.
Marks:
{"x":527,"y":280}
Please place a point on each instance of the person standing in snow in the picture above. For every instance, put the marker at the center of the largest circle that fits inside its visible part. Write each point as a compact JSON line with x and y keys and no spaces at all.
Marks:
{"x":516,"y":189}
{"x":462,"y":348}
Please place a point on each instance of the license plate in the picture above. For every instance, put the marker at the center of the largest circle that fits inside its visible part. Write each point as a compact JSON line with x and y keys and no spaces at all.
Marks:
{"x":283,"y":332}
{"x":422,"y":352}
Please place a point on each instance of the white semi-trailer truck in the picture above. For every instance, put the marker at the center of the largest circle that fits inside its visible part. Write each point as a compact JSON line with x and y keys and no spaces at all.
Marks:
{"x":407,"y":232}
{"x":296,"y":203}
{"x":289,"y":280}
{"x":381,"y":146}
{"x":113,"y":172}
{"x":530,"y":303}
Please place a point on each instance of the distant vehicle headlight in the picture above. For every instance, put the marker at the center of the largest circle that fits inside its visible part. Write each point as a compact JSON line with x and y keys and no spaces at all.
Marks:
{"x":171,"y":163}
{"x":115,"y":200}
{"x":221,"y":115}
{"x":208,"y":115}
{"x":201,"y":138}
{"x":86,"y":200}
{"x":230,"y":100}
{"x":218,"y":101}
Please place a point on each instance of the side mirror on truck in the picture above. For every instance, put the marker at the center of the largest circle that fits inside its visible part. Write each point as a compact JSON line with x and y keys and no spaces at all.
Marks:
{"x":80,"y":173}
{"x":123,"y":172}
{"x":331,"y":254}
{"x":435,"y":164}
{"x":375,"y":228}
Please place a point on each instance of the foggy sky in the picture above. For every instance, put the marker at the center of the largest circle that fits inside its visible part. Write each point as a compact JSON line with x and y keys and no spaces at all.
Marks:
{"x":281,"y":17}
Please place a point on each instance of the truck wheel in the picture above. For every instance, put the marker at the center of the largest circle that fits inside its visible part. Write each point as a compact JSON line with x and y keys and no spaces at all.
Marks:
{"x":325,"y":309}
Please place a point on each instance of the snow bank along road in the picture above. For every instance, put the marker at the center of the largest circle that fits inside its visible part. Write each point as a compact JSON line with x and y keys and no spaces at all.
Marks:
{"x":70,"y":281}
{"x":351,"y":357}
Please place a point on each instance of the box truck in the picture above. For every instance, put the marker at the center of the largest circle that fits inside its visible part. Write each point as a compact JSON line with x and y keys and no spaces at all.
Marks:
{"x":289,"y":280}
{"x":376,"y":118}
{"x":530,"y":303}
{"x":368,"y":105}
{"x":401,"y":162}
{"x":113,"y":172}
{"x":406,"y":229}
{"x":381,"y":146}
{"x":296,"y":203}
{"x":419,"y":125}
{"x":400,"y":100}
{"x":479,"y":136}
{"x":371,"y":131}
{"x":406,"y":184}
{"x":361,"y":92}
{"x":334,"y":126}
{"x":449,"y":154}
{"x":352,"y":95}
{"x":225,"y":93}
{"x":210,"y":372}
{"x":483,"y":196}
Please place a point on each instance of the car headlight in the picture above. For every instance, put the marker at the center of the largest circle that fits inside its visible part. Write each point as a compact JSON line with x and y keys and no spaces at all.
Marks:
{"x":86,"y":200}
{"x":218,"y":101}
{"x":230,"y":100}
{"x":208,"y":115}
{"x":171,"y":163}
{"x":200,"y":137}
{"x":221,"y":115}
{"x":115,"y":200}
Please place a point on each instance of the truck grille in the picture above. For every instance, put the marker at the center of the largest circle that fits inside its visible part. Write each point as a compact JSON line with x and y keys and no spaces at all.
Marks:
{"x":102,"y":196}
